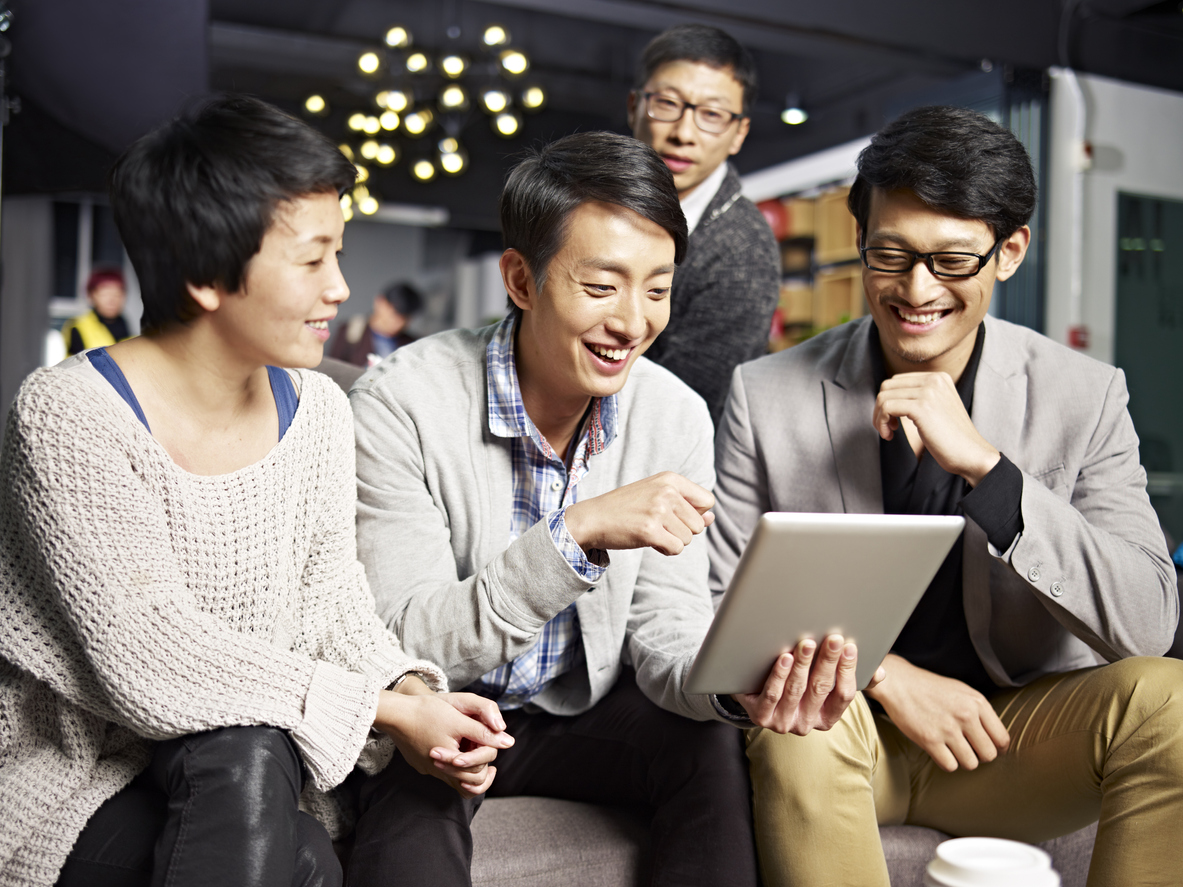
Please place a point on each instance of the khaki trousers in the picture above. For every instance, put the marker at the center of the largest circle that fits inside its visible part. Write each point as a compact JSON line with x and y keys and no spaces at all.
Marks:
{"x":1101,"y":743}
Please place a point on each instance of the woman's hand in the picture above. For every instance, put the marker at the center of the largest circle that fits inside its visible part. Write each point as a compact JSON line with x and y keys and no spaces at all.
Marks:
{"x":451,"y":736}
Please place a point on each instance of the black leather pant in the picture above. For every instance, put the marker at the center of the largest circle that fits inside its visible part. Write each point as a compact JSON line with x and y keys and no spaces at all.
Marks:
{"x":212,"y":808}
{"x":693,"y":776}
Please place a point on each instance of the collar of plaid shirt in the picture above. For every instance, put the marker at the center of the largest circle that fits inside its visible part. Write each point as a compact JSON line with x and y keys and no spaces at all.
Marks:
{"x":507,"y":414}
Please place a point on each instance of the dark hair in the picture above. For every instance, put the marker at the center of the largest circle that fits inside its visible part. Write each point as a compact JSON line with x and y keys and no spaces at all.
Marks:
{"x":105,"y":274}
{"x":545,"y":187}
{"x":955,"y":160}
{"x":700,"y":43}
{"x":403,"y":298}
{"x":193,"y":198}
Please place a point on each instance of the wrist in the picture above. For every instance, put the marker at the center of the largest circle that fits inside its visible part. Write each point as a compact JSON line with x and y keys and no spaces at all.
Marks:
{"x":575,"y":520}
{"x":410,"y":683}
{"x":983,"y":466}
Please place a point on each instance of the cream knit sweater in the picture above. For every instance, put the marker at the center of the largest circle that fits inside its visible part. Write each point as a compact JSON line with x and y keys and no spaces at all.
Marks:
{"x":139,"y":602}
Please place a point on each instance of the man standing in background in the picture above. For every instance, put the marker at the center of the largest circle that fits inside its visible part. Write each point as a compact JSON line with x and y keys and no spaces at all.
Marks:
{"x":694,"y":88}
{"x":363,"y":341}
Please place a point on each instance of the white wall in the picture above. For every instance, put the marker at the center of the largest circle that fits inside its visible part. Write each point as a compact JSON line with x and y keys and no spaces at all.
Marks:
{"x":1136,"y":135}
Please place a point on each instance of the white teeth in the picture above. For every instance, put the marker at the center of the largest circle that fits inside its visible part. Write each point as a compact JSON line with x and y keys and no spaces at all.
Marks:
{"x":610,"y":353}
{"x":921,"y":318}
{"x":317,"y":324}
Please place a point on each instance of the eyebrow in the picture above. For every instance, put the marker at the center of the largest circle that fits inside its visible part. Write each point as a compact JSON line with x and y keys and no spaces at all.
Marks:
{"x":967,"y":242}
{"x":616,"y":268}
{"x":711,"y":100}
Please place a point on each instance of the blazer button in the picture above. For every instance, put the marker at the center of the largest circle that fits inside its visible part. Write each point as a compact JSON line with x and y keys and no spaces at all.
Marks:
{"x":1057,"y":589}
{"x":1033,"y":574}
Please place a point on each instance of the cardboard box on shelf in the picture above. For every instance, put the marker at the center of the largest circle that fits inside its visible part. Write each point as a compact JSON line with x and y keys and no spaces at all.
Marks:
{"x":800,"y":212}
{"x":837,"y":296}
{"x":796,"y":302}
{"x":836,"y":229}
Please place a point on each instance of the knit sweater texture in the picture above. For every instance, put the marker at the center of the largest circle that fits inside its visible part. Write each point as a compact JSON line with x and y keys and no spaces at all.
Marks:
{"x":139,"y":602}
{"x":723,"y":297}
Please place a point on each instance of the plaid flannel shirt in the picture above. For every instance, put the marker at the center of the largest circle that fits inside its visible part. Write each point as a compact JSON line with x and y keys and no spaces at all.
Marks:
{"x":543,"y":487}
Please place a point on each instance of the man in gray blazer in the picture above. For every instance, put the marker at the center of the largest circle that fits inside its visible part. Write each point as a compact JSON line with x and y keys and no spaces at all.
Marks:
{"x":528,"y":497}
{"x":994,"y":717}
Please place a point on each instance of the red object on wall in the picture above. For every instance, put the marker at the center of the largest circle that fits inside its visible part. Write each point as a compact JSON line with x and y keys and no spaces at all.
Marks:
{"x":1078,"y":336}
{"x":777,"y":217}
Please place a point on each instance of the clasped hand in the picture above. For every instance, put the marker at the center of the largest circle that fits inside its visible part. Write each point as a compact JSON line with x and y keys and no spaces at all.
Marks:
{"x":451,"y":736}
{"x":931,"y":403}
{"x":663,"y":512}
{"x":808,"y":688}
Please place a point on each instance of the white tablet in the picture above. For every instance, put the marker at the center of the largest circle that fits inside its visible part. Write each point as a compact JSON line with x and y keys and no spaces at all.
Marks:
{"x":810,"y":575}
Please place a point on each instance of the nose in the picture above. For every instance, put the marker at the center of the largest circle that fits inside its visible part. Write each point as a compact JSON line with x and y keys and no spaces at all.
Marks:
{"x":338,"y":290}
{"x":920,"y":285}
{"x":628,"y":317}
{"x":684,"y":130}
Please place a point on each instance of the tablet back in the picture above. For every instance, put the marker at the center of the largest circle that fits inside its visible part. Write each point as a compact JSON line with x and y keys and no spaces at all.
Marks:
{"x":809,"y":575}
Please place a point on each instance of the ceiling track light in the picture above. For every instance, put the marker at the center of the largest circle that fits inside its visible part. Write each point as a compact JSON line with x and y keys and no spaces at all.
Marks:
{"x":793,"y":114}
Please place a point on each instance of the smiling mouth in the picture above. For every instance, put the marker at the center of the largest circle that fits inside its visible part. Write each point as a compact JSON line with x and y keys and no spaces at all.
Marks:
{"x":609,"y":355}
{"x":317,"y":324}
{"x":920,"y":318}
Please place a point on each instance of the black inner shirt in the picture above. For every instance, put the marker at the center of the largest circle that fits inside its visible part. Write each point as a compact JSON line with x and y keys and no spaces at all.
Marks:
{"x":936,"y":636}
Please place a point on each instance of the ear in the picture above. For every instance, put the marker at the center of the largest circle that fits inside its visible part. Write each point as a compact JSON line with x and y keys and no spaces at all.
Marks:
{"x":741,"y":133}
{"x":632,"y":111}
{"x":1012,"y":252}
{"x":519,"y":282}
{"x":207,"y":297}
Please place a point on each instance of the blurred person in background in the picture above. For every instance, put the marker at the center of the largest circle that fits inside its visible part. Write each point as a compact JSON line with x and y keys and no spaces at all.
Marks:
{"x":363,"y":341}
{"x":104,"y":323}
{"x":694,"y":88}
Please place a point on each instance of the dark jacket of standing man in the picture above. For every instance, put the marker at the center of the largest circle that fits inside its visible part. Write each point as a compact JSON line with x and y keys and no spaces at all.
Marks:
{"x":695,"y":85}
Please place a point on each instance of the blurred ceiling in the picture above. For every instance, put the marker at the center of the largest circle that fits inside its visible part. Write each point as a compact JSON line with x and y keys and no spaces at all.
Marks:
{"x":94,"y":76}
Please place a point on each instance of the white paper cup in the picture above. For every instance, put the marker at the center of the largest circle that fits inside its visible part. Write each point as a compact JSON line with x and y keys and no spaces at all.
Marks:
{"x":990,"y":862}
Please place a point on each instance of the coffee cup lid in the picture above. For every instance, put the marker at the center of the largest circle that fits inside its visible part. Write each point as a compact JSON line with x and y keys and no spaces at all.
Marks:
{"x":990,"y":862}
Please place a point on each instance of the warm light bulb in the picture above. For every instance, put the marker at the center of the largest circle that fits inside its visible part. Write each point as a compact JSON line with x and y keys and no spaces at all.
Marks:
{"x":453,"y":97}
{"x":448,"y":145}
{"x":495,"y":35}
{"x":398,"y":37}
{"x":793,"y":116}
{"x":423,"y":170}
{"x":514,"y":61}
{"x":369,"y":62}
{"x":368,"y":205}
{"x":315,"y":104}
{"x":346,"y":201}
{"x":452,"y":164}
{"x":389,"y":121}
{"x":386,"y":155}
{"x":357,"y":121}
{"x":494,"y":100}
{"x":363,"y":174}
{"x":453,"y":65}
{"x":417,"y":62}
{"x":533,"y":98}
{"x":394,"y":99}
{"x":347,"y":212}
{"x":415,"y":124}
{"x":360,"y":193}
{"x":507,"y":124}
{"x":346,"y":150}
{"x":369,"y":149}
{"x":372,"y":125}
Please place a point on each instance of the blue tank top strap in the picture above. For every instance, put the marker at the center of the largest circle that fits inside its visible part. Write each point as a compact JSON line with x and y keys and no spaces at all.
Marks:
{"x":109,"y":370}
{"x":286,"y":399}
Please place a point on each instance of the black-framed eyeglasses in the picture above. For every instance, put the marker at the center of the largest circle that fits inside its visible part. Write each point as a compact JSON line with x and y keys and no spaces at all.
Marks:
{"x":666,"y":109}
{"x":890,"y":260}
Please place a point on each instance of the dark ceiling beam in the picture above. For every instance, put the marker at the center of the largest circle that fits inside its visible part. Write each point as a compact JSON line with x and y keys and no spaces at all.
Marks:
{"x":757,"y":33}
{"x":1117,"y":8}
{"x":282,"y":52}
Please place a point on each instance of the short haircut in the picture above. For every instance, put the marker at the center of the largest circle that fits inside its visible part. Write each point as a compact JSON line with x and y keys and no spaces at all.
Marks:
{"x":550,"y":182}
{"x":403,"y":298}
{"x":700,"y":43}
{"x":193,"y":198}
{"x":955,"y":160}
{"x":105,"y":274}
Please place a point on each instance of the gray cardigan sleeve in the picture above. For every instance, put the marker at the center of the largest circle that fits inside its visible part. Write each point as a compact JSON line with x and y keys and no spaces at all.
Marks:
{"x":469,"y":623}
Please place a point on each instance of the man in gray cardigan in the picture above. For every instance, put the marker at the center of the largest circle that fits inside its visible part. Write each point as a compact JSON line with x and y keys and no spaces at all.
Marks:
{"x":528,"y":498}
{"x":694,"y":87}
{"x":993,"y":718}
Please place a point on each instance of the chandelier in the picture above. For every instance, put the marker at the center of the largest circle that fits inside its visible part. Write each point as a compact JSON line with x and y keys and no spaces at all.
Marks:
{"x":420,"y":102}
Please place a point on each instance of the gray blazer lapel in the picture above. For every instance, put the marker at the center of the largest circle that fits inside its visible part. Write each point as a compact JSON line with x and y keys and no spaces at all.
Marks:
{"x":999,"y":414}
{"x":849,"y":404}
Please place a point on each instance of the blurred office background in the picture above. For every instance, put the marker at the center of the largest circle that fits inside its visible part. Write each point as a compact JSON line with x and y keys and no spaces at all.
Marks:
{"x":435,"y":99}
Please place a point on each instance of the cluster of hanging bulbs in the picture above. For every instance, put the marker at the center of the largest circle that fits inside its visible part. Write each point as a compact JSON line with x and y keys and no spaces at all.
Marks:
{"x":419,"y":94}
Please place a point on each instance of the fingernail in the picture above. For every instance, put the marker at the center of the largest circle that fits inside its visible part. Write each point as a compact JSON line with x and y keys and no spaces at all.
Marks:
{"x":849,"y":651}
{"x":437,"y":755}
{"x":807,"y":647}
{"x":460,"y":762}
{"x":786,"y":661}
{"x":834,"y":644}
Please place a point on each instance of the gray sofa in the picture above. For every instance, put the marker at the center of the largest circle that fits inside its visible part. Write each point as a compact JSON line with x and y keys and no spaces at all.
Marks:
{"x":542,"y":842}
